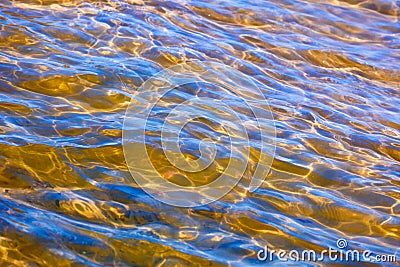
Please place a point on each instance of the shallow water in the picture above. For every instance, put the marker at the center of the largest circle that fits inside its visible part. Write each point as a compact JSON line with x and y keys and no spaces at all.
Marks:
{"x":329,"y":69}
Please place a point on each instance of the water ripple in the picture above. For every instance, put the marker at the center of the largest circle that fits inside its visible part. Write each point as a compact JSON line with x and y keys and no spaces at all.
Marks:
{"x":68,"y":69}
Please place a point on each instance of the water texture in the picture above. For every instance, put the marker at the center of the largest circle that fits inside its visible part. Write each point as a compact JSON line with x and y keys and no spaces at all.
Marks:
{"x":329,"y":69}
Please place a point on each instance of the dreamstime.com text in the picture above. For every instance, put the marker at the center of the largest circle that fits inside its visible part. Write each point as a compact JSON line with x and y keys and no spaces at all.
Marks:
{"x":338,"y":254}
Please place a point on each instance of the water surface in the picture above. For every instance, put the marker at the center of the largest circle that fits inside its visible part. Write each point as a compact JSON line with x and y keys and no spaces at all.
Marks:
{"x":329,"y":69}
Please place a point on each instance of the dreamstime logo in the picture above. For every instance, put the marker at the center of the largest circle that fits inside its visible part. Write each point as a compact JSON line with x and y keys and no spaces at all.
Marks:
{"x":237,"y":125}
{"x":341,"y":254}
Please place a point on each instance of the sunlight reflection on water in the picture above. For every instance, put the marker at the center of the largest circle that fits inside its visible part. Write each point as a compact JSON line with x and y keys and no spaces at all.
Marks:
{"x":329,"y":70}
